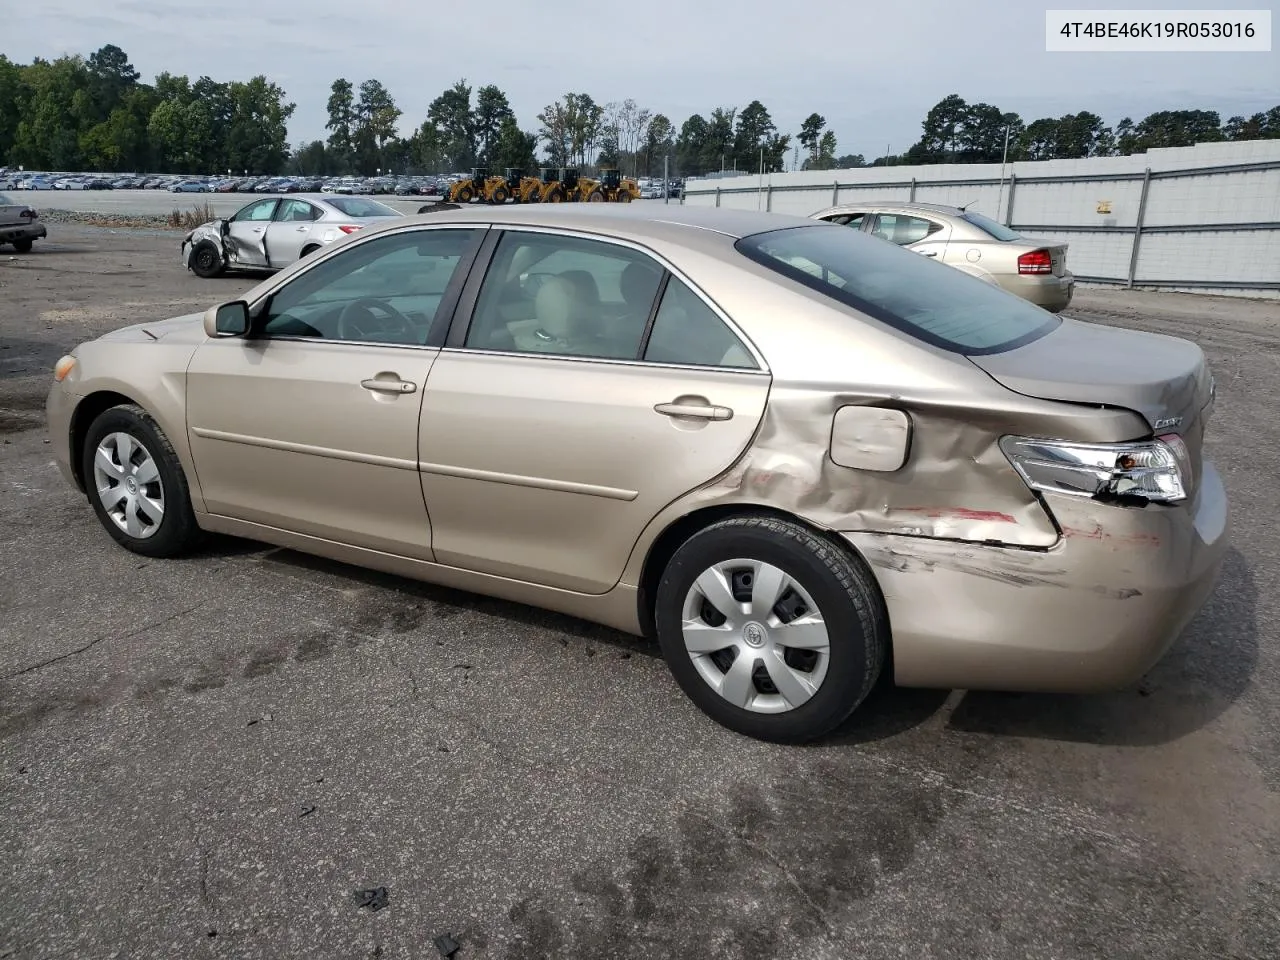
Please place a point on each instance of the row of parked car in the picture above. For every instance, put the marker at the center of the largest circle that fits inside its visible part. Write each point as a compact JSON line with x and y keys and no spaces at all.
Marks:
{"x":401,"y":186}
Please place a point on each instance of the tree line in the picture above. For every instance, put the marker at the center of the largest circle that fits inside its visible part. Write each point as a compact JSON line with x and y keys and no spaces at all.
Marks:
{"x":95,"y":113}
{"x":954,"y":131}
{"x":89,"y":114}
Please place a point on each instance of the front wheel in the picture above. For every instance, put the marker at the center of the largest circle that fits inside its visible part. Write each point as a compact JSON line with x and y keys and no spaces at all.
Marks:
{"x":23,"y":245}
{"x":206,"y":262}
{"x":770,"y":629}
{"x":136,"y":484}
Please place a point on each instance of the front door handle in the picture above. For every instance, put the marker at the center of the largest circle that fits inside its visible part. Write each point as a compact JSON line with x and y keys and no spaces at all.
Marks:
{"x":388,"y":386}
{"x":928,"y":253}
{"x":303,"y":229}
{"x":693,"y":408}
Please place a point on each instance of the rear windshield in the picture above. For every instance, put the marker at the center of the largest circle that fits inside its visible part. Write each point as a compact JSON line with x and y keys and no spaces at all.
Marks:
{"x":989,"y":226}
{"x":938,"y":304}
{"x":361,"y":207}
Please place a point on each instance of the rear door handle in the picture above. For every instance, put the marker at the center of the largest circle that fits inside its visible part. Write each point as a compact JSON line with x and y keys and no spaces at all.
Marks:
{"x":388,"y":386}
{"x":693,"y":410}
{"x":928,"y":253}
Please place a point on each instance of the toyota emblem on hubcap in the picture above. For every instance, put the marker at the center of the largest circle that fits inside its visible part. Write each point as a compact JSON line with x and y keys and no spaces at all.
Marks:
{"x":754,"y":634}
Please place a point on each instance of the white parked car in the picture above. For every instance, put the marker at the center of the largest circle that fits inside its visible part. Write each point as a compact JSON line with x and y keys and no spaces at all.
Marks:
{"x":273,"y":232}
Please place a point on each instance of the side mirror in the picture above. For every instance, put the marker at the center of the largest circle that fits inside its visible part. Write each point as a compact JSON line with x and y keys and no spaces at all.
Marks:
{"x":227,"y":320}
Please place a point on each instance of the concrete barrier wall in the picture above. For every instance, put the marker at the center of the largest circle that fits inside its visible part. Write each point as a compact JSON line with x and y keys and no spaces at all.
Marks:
{"x":1203,"y":218}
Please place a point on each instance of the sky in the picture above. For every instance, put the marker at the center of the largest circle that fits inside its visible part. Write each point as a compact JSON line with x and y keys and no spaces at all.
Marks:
{"x":871,"y":69}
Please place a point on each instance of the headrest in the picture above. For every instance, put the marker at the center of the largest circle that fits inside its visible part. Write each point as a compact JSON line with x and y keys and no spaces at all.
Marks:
{"x":555,"y":306}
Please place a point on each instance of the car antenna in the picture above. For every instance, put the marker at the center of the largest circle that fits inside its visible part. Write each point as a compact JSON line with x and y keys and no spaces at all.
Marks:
{"x":965,"y":206}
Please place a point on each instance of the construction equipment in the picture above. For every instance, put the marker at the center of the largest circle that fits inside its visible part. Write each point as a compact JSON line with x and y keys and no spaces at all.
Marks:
{"x":524,"y":189}
{"x":618,"y":189}
{"x":589,"y":190}
{"x":481,"y":186}
{"x":559,"y":186}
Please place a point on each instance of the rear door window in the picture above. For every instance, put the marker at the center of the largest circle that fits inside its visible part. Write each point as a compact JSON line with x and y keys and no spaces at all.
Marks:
{"x":686,"y":330}
{"x":901,"y":229}
{"x":932,"y":302}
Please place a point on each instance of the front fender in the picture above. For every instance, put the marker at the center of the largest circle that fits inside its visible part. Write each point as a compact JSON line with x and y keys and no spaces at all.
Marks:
{"x":157,"y":377}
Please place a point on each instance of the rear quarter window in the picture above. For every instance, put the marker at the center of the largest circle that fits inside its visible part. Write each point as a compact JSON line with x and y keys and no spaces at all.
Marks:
{"x":935,"y":303}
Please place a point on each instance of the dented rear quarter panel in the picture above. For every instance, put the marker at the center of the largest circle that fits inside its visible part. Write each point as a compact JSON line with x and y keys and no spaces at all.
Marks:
{"x":956,"y":483}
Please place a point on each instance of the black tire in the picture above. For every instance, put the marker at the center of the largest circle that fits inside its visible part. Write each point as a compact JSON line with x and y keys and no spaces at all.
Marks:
{"x":177,"y":533}
{"x":465,"y":195}
{"x":206,"y":262}
{"x":596,"y":196}
{"x":24,"y":245}
{"x":624,"y":196}
{"x":555,"y":195}
{"x":499,"y":195}
{"x":309,"y":250}
{"x":838,"y":581}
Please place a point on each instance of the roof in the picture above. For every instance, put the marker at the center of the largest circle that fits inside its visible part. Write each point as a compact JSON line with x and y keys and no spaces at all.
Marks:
{"x":898,"y":204}
{"x":651,"y":219}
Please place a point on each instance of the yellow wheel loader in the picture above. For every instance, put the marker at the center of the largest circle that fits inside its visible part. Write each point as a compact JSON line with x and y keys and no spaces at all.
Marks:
{"x":559,"y":186}
{"x":526,"y":189}
{"x":618,"y":189}
{"x":480,"y":186}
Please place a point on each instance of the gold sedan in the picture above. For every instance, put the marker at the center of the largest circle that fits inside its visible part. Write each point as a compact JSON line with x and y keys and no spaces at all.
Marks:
{"x":797,"y":455}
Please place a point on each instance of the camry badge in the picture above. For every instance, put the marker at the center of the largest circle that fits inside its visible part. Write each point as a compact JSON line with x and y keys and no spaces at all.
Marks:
{"x":1168,"y":422}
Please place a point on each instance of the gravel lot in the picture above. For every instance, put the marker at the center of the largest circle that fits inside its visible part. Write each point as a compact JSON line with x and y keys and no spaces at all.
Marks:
{"x":207,"y":758}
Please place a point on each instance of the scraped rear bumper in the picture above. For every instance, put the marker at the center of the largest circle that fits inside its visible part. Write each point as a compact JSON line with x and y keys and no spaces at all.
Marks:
{"x":1092,"y":613}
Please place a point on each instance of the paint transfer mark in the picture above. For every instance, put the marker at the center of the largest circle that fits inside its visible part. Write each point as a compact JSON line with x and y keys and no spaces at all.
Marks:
{"x":1123,"y":539}
{"x":961,"y":513}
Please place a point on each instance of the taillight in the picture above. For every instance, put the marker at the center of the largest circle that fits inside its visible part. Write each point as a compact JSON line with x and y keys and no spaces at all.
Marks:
{"x":1156,"y":470}
{"x":348,"y":228}
{"x":1037,"y":261}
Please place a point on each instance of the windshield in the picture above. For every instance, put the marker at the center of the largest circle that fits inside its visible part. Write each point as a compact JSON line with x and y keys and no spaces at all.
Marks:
{"x":933,"y":302}
{"x":361,"y":207}
{"x":989,"y":226}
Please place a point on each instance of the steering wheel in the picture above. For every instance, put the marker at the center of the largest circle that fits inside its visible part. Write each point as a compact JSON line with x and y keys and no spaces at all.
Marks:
{"x":359,"y":321}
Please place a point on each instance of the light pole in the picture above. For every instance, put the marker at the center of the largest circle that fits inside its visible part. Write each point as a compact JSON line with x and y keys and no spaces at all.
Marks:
{"x":1004,"y":158}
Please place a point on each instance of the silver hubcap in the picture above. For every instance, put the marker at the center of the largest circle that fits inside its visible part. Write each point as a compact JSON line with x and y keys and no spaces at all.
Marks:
{"x":128,"y":484}
{"x":756,"y":636}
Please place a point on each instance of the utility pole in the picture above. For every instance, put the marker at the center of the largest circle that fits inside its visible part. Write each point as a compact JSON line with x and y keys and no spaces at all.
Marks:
{"x":1004,"y":158}
{"x":760,"y":193}
{"x":666,"y":179}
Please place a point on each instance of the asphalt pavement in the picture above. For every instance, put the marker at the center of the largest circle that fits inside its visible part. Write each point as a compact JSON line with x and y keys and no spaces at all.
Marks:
{"x":212,"y":757}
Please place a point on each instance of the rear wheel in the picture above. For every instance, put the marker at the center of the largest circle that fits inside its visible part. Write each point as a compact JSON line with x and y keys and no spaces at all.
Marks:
{"x":499,"y":195}
{"x":24,"y":245}
{"x":772,"y":630}
{"x":595,"y":196}
{"x":624,"y":196}
{"x":465,"y":195}
{"x":555,"y":195}
{"x":205,"y":260}
{"x":136,"y":484}
{"x":308,"y":250}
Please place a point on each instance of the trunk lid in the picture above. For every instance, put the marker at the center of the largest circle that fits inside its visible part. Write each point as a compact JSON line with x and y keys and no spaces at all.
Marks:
{"x":1166,"y":380}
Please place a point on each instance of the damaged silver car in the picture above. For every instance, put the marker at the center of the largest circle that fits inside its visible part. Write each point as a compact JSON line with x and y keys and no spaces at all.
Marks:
{"x":272,"y":233}
{"x":797,"y":455}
